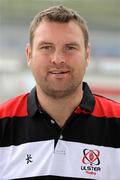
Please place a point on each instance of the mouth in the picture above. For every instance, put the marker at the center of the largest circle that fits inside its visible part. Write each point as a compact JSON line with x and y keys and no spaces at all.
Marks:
{"x":59,"y":73}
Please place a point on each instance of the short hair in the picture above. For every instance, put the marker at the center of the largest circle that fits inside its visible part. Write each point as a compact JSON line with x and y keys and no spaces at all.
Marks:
{"x":59,"y":14}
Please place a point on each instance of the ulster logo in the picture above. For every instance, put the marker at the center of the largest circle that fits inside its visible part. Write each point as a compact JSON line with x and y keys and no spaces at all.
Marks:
{"x":91,"y":161}
{"x":91,"y":157}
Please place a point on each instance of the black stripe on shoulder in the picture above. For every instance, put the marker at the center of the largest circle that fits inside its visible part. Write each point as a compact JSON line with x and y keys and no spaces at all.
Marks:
{"x":84,"y":129}
{"x":19,"y":130}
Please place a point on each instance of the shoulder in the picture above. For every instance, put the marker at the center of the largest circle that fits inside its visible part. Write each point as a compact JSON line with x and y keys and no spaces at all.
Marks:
{"x":16,"y":106}
{"x":106,"y":107}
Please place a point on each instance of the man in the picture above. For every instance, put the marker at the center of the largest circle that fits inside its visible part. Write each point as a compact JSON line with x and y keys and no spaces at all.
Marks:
{"x":59,"y":130}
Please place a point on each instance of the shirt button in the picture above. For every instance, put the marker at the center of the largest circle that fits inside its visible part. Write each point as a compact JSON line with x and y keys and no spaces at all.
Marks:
{"x":61,"y":136}
{"x":40,"y":112}
{"x":52,"y":121}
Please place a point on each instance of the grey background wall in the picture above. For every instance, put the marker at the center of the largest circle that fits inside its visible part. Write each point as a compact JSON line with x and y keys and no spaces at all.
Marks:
{"x":103,"y":19}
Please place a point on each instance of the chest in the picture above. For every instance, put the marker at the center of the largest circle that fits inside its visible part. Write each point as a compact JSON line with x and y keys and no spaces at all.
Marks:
{"x":68,"y":159}
{"x":38,"y":147}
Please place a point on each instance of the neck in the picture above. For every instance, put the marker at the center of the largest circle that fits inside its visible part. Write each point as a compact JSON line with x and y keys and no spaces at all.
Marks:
{"x":60,"y":109}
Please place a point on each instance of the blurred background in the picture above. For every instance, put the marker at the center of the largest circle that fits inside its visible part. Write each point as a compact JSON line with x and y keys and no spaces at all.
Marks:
{"x":103,"y":17}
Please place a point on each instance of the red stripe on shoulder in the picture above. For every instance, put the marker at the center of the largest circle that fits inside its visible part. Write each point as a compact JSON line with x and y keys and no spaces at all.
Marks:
{"x":106,"y":108}
{"x":14,"y":107}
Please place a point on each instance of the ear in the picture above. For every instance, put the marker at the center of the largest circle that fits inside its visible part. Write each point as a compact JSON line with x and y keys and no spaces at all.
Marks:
{"x":28,"y":52}
{"x":88,"y":54}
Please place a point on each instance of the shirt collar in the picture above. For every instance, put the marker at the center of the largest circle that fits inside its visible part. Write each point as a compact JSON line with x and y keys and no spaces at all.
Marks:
{"x":87,"y":103}
{"x":32,"y":102}
{"x":88,"y":100}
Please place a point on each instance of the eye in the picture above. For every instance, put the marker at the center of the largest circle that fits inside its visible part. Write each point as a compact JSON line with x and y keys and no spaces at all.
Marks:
{"x":70,"y":48}
{"x":46,"y":47}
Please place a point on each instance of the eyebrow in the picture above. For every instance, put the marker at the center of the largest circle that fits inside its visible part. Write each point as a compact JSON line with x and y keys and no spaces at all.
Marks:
{"x":72,"y":44}
{"x":45,"y":43}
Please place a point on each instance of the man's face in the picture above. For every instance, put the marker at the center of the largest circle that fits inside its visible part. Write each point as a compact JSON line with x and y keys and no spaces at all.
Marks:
{"x":58,"y":58}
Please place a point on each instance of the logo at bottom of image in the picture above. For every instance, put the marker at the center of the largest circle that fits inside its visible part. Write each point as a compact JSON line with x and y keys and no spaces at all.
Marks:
{"x":91,"y":161}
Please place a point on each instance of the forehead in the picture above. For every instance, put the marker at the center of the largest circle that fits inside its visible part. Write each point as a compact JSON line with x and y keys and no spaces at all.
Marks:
{"x":55,"y":30}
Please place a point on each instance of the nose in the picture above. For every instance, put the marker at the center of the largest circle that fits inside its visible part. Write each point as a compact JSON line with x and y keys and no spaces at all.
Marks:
{"x":58,"y":58}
